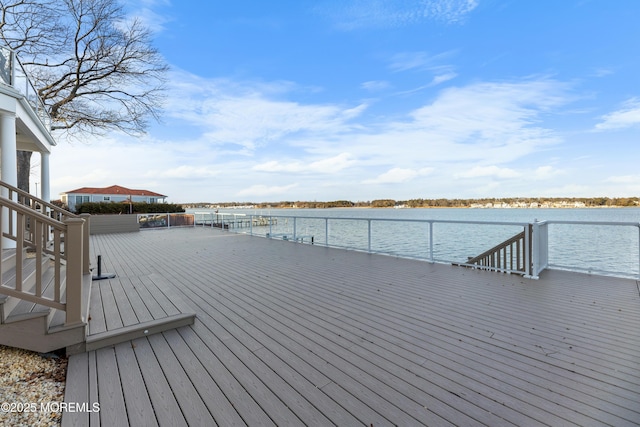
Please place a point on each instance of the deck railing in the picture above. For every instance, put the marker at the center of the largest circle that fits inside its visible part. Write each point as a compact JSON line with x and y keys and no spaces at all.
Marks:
{"x":459,"y":242}
{"x":165,"y":220}
{"x":13,"y":74}
{"x":49,"y":234}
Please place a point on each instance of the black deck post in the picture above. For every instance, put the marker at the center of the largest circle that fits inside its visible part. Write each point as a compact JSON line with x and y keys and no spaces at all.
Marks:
{"x":100,"y":276}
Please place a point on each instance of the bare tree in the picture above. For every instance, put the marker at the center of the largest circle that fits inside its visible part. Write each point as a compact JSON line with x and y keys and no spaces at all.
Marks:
{"x":95,"y":70}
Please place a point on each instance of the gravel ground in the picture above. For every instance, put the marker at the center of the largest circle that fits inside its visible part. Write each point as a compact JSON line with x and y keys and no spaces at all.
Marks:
{"x":31,"y":387}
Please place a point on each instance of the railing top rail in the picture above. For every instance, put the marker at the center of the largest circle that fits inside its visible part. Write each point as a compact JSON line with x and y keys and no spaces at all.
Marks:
{"x":443,"y":221}
{"x":28,"y":211}
{"x":614,"y":223}
{"x":51,"y":206}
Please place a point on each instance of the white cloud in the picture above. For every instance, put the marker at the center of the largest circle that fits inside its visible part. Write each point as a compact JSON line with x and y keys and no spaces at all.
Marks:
{"x":624,"y":179}
{"x":398,"y":175}
{"x":627,"y":116}
{"x":250,"y":115}
{"x":547,"y":172}
{"x":375,"y":85}
{"x":186,"y":171}
{"x":261,"y":190}
{"x":233,"y":135}
{"x":355,"y":14}
{"x":490,"y":171}
{"x":441,"y":78}
{"x":327,"y":165}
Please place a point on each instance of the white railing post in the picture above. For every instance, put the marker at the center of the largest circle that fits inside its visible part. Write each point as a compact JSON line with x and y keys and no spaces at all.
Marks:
{"x":431,"y":241}
{"x":73,"y":247}
{"x":369,"y":235}
{"x":326,"y":231}
{"x":534,"y":265}
{"x":294,"y":228}
{"x":86,"y":232}
{"x":12,"y":69}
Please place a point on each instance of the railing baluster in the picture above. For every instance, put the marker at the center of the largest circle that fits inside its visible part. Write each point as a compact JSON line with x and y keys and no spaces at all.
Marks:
{"x":57,"y":273}
{"x":19,"y":250}
{"x":38,"y":241}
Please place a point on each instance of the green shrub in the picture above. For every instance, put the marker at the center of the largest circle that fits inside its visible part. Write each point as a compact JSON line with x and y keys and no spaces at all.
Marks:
{"x":104,"y":208}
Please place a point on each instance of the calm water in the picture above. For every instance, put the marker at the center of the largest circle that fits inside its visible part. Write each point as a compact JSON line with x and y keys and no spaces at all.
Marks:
{"x":595,"y":248}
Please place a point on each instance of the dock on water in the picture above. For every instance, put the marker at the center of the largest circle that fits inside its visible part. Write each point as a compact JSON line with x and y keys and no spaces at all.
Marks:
{"x":232,"y":220}
{"x":295,"y":334}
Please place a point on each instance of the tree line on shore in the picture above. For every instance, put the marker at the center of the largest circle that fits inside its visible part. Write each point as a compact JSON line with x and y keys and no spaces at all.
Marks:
{"x":436,"y":203}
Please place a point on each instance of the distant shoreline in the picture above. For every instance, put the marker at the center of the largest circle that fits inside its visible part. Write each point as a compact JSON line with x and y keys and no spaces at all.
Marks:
{"x":485,"y":203}
{"x":222,"y":206}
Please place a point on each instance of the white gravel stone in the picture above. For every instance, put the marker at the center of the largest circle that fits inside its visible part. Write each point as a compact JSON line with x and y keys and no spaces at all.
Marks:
{"x":29,"y":384}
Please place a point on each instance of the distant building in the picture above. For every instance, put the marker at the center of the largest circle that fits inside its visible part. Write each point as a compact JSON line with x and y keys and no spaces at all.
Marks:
{"x":115,"y":194}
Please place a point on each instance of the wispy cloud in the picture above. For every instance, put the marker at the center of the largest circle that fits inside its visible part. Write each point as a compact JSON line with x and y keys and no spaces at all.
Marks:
{"x":327,"y":165}
{"x":146,"y":12}
{"x":490,"y":171}
{"x":398,"y":176}
{"x":255,"y":142}
{"x":421,"y":60}
{"x":261,"y":190}
{"x":187,"y":172}
{"x":375,"y":85}
{"x":627,"y":116}
{"x":251,"y":115}
{"x":355,"y":14}
{"x":436,"y":65}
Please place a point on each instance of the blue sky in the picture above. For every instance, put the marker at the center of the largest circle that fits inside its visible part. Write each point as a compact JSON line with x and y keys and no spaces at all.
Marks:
{"x":369,"y":99}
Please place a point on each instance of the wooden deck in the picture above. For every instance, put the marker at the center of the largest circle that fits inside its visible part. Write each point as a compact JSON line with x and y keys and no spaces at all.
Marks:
{"x":294,"y":334}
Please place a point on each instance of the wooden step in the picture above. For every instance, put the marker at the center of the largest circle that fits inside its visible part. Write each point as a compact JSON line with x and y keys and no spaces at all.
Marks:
{"x":8,"y":259}
{"x":33,"y":334}
{"x":128,"y":333}
{"x":9,"y":303}
{"x":36,"y":327}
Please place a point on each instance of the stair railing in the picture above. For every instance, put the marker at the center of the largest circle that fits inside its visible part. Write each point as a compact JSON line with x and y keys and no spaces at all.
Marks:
{"x":49,"y":209}
{"x":512,"y":256}
{"x":48,"y":238}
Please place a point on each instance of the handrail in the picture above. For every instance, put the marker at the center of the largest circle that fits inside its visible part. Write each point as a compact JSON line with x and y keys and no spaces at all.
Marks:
{"x":24,"y":197}
{"x":35,"y":240}
{"x":30,"y":228}
{"x":39,"y":205}
{"x":503,"y":256}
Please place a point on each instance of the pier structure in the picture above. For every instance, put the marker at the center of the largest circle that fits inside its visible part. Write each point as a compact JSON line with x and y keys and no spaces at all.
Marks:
{"x":232,"y":220}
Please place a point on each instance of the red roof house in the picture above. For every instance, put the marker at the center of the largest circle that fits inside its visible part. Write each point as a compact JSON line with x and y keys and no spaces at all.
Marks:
{"x":114,"y":193}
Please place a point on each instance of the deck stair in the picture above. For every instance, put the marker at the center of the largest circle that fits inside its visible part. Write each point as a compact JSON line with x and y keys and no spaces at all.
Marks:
{"x":26,"y":324}
{"x":46,"y":281}
{"x":510,"y":256}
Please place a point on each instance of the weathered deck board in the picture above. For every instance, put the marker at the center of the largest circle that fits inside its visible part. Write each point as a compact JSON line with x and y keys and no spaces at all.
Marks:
{"x":132,"y":297}
{"x":305,"y":335}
